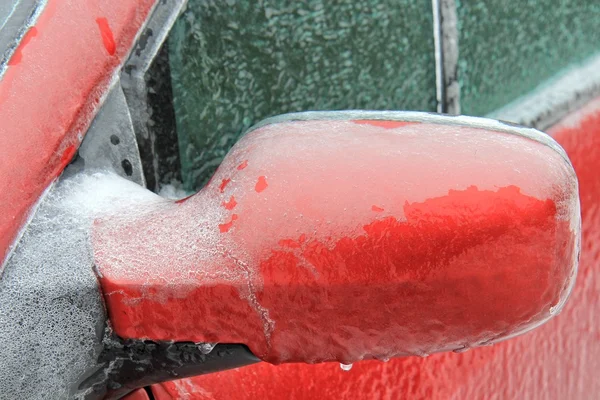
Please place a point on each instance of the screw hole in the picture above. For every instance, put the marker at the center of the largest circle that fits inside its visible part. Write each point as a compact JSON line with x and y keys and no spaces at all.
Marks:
{"x":127,"y":167}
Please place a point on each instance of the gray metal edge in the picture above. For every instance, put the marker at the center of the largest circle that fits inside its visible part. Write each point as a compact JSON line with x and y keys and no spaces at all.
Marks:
{"x":439,"y":61}
{"x":156,"y":30}
{"x":445,"y":36}
{"x":160,"y":21}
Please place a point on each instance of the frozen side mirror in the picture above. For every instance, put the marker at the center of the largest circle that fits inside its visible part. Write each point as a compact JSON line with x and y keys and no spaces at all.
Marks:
{"x":342,"y":236}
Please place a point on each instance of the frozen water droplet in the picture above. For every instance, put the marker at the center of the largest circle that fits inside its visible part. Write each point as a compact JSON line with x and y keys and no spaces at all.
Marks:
{"x":346,"y":367}
{"x":206,"y":348}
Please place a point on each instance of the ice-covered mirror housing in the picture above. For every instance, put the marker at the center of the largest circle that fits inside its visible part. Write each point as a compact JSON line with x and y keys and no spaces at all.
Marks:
{"x":342,"y":236}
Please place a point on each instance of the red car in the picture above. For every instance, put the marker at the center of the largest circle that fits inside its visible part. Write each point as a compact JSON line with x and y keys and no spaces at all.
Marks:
{"x":380,"y":246}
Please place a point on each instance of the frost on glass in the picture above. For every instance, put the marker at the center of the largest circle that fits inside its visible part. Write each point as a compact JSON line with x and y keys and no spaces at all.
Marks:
{"x":507,"y":49}
{"x":235,"y":63}
{"x":349,"y":239}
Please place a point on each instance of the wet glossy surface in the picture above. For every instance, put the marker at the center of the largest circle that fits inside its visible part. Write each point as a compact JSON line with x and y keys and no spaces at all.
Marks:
{"x":351,"y":240}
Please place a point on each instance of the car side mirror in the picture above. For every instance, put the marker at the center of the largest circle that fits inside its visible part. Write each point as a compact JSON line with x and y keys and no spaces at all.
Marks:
{"x":343,"y":236}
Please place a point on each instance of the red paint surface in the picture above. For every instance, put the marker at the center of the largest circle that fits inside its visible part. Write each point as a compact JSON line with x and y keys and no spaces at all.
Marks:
{"x":177,"y":391}
{"x":139,"y":394}
{"x":383,"y":123}
{"x":559,"y":360}
{"x":183,"y":199}
{"x":289,"y":243}
{"x":230,"y":205}
{"x":261,"y":184}
{"x":18,"y":54}
{"x":68,"y":154}
{"x":49,"y":94}
{"x":224,"y":228}
{"x":224,"y":184}
{"x":107,"y":35}
{"x":242,"y":165}
{"x":474,"y":256}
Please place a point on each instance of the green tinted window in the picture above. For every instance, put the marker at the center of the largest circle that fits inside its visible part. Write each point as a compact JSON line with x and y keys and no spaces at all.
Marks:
{"x":234,"y":63}
{"x":508,"y":48}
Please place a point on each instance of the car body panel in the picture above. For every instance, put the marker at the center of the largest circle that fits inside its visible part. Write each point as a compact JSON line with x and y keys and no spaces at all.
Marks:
{"x":53,"y":85}
{"x":371,"y":230}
